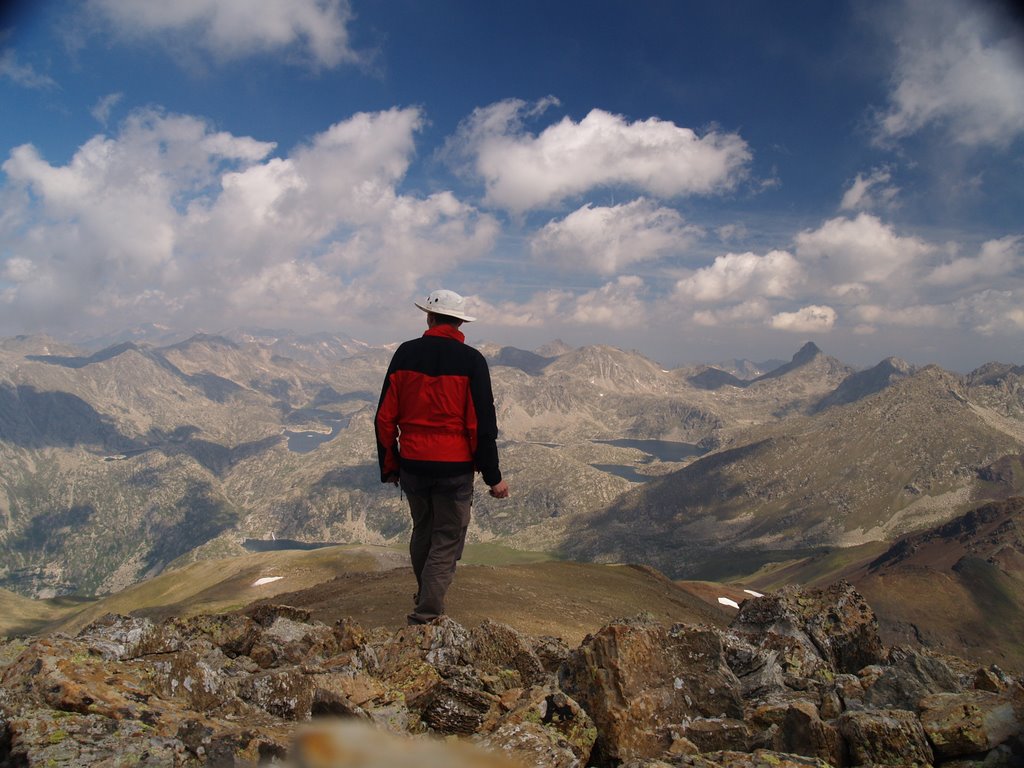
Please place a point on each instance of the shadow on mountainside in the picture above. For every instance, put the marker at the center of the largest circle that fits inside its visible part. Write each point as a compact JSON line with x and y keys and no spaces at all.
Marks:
{"x":33,"y":419}
{"x":650,"y":524}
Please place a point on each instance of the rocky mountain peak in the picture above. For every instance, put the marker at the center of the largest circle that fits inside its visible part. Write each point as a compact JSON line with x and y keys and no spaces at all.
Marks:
{"x":800,"y":678}
{"x":806,"y":353}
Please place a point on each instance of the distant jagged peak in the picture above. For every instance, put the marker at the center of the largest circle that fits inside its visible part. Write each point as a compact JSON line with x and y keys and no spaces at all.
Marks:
{"x":513,"y":357}
{"x":806,"y":353}
{"x":554,"y":348}
{"x":931,"y":381}
{"x":205,"y":340}
{"x":38,"y":344}
{"x":710,"y":377}
{"x":808,"y":356}
{"x":73,"y":361}
{"x":897,"y":364}
{"x":994,"y":373}
{"x":603,"y":356}
{"x":862,"y":384}
{"x":610,"y":367}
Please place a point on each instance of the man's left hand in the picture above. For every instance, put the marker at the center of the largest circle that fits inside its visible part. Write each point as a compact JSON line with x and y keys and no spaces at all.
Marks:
{"x":500,"y":491}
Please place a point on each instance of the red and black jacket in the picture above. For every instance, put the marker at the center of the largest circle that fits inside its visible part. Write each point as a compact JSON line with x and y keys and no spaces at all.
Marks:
{"x":436,"y":411}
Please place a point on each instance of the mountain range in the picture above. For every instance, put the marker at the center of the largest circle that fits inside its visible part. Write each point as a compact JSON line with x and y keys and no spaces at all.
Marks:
{"x":122,"y":462}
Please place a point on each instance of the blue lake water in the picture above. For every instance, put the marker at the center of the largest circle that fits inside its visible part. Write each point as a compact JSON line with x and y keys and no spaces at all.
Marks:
{"x":663,"y":450}
{"x":304,"y":442}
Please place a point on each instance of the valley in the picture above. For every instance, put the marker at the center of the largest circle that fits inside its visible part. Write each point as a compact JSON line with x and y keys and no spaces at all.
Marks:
{"x":123,"y":464}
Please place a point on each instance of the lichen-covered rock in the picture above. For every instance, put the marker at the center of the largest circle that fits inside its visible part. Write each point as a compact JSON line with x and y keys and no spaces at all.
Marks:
{"x":551,"y":651}
{"x":902,"y":684}
{"x":817,"y":632}
{"x":973,"y":721}
{"x":885,"y":737}
{"x":635,"y":678}
{"x":565,"y":724}
{"x":758,"y":670}
{"x":713,"y":734}
{"x":504,"y":656}
{"x":234,"y":690}
{"x":796,"y":727}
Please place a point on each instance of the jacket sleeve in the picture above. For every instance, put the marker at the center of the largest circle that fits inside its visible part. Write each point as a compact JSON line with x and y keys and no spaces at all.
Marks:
{"x":485,"y":449}
{"x":385,"y":424}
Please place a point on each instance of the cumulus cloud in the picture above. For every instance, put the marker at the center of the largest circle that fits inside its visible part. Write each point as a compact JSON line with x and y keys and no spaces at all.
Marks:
{"x":754,"y":311}
{"x":171,"y":220}
{"x":997,"y":258}
{"x":812,"y":319}
{"x":743,"y":275}
{"x":234,"y":28}
{"x":608,"y":239}
{"x":847,"y":252}
{"x":958,"y":67}
{"x":618,"y":304}
{"x":522,"y":171}
{"x":870,"y":192}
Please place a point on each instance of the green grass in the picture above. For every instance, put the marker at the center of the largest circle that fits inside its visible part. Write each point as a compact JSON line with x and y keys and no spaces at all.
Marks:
{"x":497,"y":554}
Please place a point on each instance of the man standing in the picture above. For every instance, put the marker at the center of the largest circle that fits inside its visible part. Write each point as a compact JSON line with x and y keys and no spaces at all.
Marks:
{"x":435,"y":426}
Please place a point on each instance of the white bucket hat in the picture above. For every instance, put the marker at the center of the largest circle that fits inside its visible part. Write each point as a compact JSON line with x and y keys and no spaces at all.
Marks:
{"x":445,"y":302}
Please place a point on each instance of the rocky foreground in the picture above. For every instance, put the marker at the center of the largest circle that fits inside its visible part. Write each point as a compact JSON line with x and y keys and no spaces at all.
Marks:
{"x":799,"y":679}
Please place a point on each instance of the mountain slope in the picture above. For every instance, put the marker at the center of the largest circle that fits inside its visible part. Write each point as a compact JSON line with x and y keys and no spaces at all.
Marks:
{"x":900,"y":459}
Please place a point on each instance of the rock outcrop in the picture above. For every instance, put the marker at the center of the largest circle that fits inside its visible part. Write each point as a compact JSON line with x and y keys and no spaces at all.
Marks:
{"x":799,"y":679}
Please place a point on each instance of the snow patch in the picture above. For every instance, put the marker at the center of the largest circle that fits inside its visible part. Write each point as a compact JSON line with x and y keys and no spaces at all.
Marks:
{"x":727,"y":601}
{"x":266,"y":580}
{"x":752,"y":592}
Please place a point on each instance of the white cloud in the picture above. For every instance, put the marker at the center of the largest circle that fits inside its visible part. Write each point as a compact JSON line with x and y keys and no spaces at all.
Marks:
{"x":916,"y":316}
{"x":607,"y":239}
{"x":992,"y":312}
{"x":957,"y":67}
{"x":846,"y":251}
{"x":23,"y":74}
{"x":732,"y":232}
{"x":170,"y":220}
{"x":618,"y":304}
{"x":102,"y":109}
{"x":744,"y":275}
{"x":870,"y":192}
{"x":753,"y":311}
{"x":523,"y":172}
{"x":236,"y":28}
{"x":812,"y":319}
{"x":997,"y":258}
{"x":987,"y":313}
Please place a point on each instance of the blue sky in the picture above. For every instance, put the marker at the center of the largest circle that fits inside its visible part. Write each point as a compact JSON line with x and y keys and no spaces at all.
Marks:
{"x":694,"y":180}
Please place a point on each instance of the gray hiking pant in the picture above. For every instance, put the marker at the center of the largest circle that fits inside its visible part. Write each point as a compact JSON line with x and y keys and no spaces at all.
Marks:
{"x":440,"y":508}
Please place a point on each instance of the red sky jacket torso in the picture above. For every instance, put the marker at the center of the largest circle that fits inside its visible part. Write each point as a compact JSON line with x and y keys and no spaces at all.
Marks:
{"x":436,"y":411}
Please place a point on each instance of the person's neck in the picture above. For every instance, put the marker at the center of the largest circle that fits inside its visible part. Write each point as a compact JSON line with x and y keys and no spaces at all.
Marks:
{"x":445,"y":331}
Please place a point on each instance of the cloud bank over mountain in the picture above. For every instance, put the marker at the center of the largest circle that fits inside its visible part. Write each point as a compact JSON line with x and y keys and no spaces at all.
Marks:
{"x":555,"y":216}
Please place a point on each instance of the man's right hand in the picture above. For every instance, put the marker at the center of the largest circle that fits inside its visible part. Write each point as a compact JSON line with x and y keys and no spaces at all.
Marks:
{"x":392,"y":478}
{"x":500,"y":491}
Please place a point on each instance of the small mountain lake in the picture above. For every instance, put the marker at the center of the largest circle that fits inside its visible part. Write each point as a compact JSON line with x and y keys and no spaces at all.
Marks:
{"x":273,"y":545}
{"x":308,"y":440}
{"x":661,"y":450}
